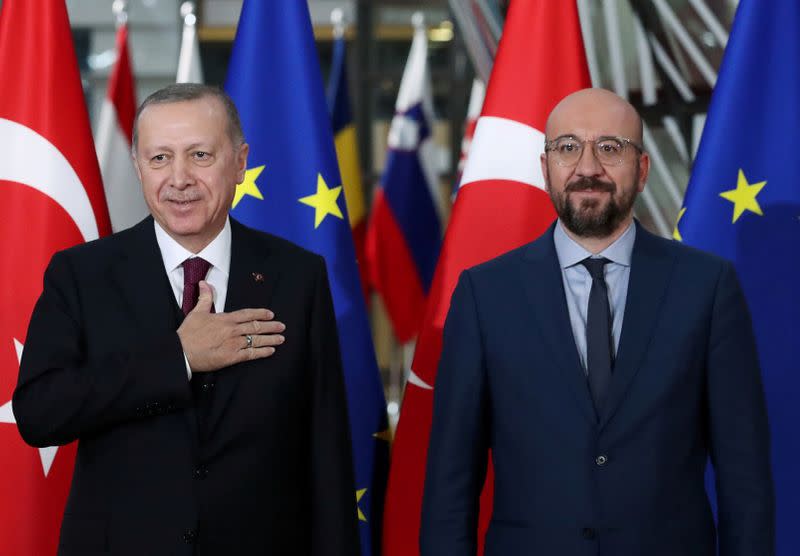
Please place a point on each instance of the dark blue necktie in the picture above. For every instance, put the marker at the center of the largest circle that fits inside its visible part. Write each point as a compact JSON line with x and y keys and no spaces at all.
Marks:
{"x":598,"y":333}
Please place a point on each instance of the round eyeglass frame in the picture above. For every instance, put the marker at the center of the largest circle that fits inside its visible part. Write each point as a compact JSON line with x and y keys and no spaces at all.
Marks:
{"x":550,"y":146}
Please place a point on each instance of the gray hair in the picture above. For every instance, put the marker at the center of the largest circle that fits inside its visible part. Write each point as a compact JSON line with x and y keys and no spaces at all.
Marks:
{"x":184,"y":92}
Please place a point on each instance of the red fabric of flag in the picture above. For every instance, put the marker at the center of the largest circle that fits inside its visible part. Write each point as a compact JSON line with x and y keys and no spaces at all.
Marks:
{"x":500,"y":205}
{"x":113,"y":138}
{"x":51,"y":197}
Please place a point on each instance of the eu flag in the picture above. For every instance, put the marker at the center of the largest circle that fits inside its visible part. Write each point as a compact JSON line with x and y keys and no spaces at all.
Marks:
{"x":292,"y":189}
{"x":743,"y":203}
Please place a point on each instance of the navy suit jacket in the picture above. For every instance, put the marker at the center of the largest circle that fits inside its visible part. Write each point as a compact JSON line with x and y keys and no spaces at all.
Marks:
{"x":268,"y":472}
{"x":686,"y":386}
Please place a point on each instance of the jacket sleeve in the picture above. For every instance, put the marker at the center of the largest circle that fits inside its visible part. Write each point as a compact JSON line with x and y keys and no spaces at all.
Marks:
{"x":739,"y":432}
{"x":332,"y":484}
{"x":459,"y":444}
{"x":62,"y":394}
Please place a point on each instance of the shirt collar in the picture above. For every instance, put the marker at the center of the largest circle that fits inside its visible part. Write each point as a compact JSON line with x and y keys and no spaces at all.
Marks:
{"x":218,"y":252}
{"x":570,"y":252}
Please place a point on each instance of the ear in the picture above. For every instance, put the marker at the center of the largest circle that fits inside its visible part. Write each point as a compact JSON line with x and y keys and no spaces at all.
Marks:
{"x":545,"y":174}
{"x":644,"y":171}
{"x":136,"y":166}
{"x":241,"y":162}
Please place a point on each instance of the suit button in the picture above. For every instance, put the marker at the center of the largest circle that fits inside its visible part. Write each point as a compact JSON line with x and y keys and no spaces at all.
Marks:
{"x":207,"y":387}
{"x":190,"y":536}
{"x":200,"y":473}
{"x":588,"y":533}
{"x":601,"y":460}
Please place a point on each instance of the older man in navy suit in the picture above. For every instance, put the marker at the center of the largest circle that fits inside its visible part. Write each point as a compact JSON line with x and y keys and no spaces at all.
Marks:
{"x":601,"y":366}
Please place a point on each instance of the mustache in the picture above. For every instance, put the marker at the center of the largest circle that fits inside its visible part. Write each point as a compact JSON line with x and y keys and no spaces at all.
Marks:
{"x":179,"y":196}
{"x":594,"y":184}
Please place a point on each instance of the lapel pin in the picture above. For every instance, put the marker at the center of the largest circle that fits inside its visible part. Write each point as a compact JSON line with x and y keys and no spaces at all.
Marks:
{"x":257,"y":276}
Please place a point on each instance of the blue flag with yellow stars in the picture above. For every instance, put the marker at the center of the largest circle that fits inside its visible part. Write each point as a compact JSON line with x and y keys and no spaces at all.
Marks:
{"x":292,"y":189}
{"x":743,"y":203}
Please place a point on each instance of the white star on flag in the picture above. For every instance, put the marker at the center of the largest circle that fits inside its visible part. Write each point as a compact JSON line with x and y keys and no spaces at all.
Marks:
{"x":48,"y":454}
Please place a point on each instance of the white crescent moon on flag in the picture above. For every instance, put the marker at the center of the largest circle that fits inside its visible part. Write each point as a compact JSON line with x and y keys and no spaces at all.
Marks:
{"x":414,"y":379}
{"x":33,"y":161}
{"x":504,"y":149}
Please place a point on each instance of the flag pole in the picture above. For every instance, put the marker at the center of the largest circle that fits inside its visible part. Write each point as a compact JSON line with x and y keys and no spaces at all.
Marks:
{"x":338,"y":22}
{"x":120,"y":10}
{"x":189,"y":70}
{"x":188,"y":14}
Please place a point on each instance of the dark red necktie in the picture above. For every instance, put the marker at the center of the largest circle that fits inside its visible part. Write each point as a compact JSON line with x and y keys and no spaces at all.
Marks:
{"x":194,"y":270}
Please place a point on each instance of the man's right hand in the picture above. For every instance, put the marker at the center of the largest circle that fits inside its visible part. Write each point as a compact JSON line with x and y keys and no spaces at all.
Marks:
{"x":212,"y":341}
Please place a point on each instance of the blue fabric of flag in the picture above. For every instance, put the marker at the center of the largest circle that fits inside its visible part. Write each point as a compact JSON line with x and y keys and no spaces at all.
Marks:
{"x":275,"y":80}
{"x":743,"y":203}
{"x":337,"y":94}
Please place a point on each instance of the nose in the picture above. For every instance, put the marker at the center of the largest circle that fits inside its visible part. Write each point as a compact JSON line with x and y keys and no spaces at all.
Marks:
{"x":588,"y":165}
{"x":181,"y":174}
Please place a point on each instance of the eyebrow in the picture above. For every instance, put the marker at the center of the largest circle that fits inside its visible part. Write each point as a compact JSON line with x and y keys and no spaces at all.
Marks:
{"x":598,"y":138}
{"x":565,"y":136}
{"x":192,"y":146}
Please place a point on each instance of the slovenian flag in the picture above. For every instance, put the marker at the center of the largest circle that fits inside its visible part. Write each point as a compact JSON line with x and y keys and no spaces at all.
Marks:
{"x":405,"y":229}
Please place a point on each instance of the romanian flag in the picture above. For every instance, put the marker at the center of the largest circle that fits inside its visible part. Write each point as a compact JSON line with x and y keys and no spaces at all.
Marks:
{"x":344,"y":134}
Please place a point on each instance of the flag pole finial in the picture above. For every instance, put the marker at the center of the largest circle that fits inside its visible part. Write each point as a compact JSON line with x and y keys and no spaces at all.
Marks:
{"x":418,"y":20}
{"x":188,"y":13}
{"x":338,"y":21}
{"x":120,"y":10}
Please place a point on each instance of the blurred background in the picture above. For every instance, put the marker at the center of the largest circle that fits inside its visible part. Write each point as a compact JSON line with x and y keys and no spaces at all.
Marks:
{"x":662,"y":54}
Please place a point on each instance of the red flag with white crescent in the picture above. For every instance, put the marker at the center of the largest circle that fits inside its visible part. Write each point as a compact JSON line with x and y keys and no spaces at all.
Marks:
{"x":501,"y":204}
{"x":51,"y":197}
{"x":126,"y":204}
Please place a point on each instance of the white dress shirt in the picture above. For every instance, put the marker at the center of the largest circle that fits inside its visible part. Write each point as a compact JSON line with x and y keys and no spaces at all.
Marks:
{"x":218,"y":253}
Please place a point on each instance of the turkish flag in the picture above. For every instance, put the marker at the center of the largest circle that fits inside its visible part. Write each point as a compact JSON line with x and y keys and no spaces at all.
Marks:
{"x":126,"y":204}
{"x":500,"y":205}
{"x":51,"y":197}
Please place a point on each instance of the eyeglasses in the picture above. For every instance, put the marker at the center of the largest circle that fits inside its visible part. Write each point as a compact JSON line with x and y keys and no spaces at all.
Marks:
{"x":609,"y":151}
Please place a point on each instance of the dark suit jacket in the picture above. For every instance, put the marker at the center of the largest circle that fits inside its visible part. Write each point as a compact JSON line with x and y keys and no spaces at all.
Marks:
{"x":270,"y":470}
{"x":686,"y":385}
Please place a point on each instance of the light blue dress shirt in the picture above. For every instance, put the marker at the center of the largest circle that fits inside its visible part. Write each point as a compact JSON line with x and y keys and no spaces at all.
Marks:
{"x":578,"y":281}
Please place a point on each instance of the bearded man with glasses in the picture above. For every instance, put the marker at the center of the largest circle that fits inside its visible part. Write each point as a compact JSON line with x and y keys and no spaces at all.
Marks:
{"x":602,"y":367}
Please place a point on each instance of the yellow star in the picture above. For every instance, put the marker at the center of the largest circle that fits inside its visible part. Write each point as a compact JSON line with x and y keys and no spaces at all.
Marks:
{"x":744,"y":197}
{"x":676,"y":233}
{"x":248,"y":186}
{"x":385,"y":435}
{"x":359,"y":495}
{"x":324,"y":201}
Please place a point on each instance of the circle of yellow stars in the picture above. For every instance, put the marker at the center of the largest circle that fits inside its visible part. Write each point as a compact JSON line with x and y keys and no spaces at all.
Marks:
{"x":324,"y":201}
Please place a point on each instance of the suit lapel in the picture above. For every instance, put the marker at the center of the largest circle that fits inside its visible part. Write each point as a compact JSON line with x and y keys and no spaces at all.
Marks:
{"x":140,"y":277}
{"x":544,"y":288}
{"x":251,"y":281}
{"x":651,"y":267}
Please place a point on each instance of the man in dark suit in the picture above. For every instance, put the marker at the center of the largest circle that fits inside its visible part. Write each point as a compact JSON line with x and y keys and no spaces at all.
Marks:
{"x":211,"y":429}
{"x":601,"y":366}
